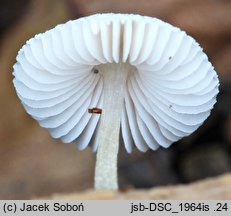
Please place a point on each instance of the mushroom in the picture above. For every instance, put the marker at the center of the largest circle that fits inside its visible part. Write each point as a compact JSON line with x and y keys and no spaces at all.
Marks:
{"x":89,"y":79}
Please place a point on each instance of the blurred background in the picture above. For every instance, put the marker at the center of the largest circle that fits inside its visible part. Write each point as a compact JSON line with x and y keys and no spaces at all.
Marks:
{"x":32,"y":164}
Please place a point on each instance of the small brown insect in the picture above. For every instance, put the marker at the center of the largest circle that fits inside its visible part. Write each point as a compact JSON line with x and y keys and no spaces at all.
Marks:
{"x":95,"y":110}
{"x":95,"y":70}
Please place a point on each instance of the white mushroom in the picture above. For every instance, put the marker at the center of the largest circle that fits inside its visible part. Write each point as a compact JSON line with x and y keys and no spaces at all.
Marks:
{"x":134,"y":73}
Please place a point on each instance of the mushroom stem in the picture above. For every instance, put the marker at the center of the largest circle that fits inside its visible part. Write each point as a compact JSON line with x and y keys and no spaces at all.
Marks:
{"x":114,"y":78}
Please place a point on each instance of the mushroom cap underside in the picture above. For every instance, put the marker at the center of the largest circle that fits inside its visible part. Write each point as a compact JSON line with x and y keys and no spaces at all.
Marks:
{"x":168,"y":95}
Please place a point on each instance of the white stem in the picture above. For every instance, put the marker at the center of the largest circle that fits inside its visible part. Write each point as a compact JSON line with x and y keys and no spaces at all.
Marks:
{"x":114,"y":77}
